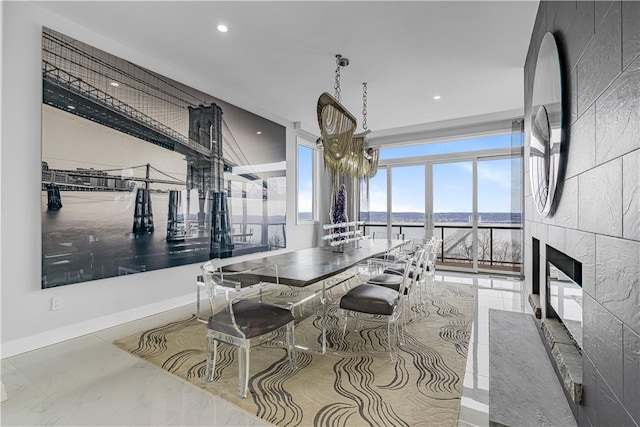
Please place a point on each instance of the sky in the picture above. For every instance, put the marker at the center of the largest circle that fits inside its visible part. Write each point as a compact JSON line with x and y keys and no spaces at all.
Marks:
{"x":499,"y":181}
{"x":305,"y":179}
{"x":70,"y":142}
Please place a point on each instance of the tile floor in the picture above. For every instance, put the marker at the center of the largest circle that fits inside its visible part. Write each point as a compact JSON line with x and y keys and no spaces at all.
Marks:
{"x":88,"y":381}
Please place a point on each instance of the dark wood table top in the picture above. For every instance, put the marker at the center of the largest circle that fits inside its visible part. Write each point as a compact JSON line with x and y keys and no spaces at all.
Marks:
{"x":304,"y":267}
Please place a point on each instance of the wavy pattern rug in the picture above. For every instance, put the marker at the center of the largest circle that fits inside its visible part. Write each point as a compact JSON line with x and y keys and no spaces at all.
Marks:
{"x":355,"y":384}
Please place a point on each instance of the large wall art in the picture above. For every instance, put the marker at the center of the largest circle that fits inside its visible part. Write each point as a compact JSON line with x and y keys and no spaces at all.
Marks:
{"x":140,"y":172}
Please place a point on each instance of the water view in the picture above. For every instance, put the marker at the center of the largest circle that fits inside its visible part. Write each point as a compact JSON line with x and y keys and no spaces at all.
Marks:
{"x":499,"y":243}
{"x":91,"y":237}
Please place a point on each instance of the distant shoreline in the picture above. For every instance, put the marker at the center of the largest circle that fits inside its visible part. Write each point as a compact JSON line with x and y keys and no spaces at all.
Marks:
{"x":446,"y":218}
{"x":442,"y":217}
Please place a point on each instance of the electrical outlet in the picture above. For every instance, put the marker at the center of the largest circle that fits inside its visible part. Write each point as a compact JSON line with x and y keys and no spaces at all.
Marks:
{"x":56,"y":303}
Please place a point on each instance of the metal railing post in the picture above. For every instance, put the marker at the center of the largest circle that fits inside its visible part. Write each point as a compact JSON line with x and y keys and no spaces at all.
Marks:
{"x":491,"y":246}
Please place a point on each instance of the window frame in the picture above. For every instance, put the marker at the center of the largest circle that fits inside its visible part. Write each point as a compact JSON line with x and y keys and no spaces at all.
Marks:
{"x":305,"y":143}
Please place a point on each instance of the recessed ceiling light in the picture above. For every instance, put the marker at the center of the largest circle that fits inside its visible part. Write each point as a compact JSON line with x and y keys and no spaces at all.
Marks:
{"x":259,"y":133}
{"x":436,"y":97}
{"x":222,"y":28}
{"x":115,"y":84}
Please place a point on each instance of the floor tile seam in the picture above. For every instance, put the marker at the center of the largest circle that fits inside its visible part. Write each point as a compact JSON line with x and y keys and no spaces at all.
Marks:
{"x":476,"y":391}
{"x":26,"y":377}
{"x":24,"y":406}
{"x":7,"y":360}
{"x":473,"y":400}
{"x":486,"y":377}
{"x":30,"y":385}
{"x":102,"y":339}
{"x":54,"y":397}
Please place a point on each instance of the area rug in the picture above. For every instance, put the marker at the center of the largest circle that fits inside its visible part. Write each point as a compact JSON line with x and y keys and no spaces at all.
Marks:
{"x":355,"y":383}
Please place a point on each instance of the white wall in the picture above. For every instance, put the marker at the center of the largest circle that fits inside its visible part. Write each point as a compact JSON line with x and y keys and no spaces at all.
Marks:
{"x":27,"y":321}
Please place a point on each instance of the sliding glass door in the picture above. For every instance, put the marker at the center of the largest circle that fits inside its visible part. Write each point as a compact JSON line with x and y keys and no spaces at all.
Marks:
{"x":475,"y":207}
{"x":408,"y":200}
{"x":472,"y":201}
{"x":499,"y":191}
{"x":452,"y":213}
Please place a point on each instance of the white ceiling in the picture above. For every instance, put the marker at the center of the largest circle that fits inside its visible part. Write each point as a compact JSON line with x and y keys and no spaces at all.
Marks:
{"x":279,"y":56}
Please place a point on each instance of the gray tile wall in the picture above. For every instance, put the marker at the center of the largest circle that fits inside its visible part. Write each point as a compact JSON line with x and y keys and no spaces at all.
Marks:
{"x":598,"y":216}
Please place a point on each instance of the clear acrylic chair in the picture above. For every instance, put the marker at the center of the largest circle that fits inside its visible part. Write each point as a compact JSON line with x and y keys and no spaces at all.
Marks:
{"x":381,"y":303}
{"x":241,"y":315}
{"x":430,"y":265}
{"x":378,"y":263}
{"x":410,"y":273}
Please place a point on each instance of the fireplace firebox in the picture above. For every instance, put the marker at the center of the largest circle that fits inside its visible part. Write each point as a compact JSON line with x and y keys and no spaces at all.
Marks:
{"x":564,"y":292}
{"x":565,"y":299}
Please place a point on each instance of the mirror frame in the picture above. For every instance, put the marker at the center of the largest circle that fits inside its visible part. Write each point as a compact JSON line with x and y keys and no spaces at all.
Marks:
{"x":548,"y":131}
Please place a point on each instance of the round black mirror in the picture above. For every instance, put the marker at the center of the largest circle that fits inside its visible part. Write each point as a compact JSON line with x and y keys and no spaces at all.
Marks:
{"x":547,"y":133}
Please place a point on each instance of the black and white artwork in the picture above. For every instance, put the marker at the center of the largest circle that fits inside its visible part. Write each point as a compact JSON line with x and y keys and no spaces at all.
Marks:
{"x":140,"y":172}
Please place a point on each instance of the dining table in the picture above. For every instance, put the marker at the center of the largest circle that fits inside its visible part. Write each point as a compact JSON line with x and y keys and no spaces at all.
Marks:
{"x":319,"y":267}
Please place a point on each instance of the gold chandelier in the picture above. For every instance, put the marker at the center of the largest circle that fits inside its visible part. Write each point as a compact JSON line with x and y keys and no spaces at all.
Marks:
{"x":344,"y":153}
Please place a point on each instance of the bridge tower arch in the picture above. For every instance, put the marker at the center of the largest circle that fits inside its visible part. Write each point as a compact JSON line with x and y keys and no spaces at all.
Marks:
{"x":207,"y":175}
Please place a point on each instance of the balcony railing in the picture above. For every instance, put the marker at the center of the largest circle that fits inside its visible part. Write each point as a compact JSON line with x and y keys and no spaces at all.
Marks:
{"x":252,"y":233}
{"x":499,"y":245}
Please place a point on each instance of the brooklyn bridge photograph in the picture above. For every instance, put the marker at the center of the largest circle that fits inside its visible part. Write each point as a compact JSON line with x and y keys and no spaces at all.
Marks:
{"x":140,"y":172}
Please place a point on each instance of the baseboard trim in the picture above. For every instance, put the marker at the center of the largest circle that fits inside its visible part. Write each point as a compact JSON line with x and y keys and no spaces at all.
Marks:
{"x":54,"y":336}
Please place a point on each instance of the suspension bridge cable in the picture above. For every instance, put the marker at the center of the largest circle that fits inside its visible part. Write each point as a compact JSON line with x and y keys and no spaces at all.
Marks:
{"x":168,"y":83}
{"x":87,"y":162}
{"x":165,"y":174}
{"x":240,"y":158}
{"x":99,"y":61}
{"x":233,"y":148}
{"x":138,"y":88}
{"x":124,"y":167}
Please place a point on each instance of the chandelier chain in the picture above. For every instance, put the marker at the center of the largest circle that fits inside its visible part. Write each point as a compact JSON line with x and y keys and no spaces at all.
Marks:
{"x":364,"y":106}
{"x":336,"y":85}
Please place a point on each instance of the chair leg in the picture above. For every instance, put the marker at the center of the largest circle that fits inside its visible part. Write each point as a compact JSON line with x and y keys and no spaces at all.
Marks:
{"x":291,"y":346}
{"x":243,"y":368}
{"x":406,"y":306}
{"x":344,"y":327}
{"x":402,"y":328}
{"x":392,"y":334}
{"x":423,"y":288}
{"x":356,"y":327}
{"x":411,"y":302}
{"x":212,"y":356}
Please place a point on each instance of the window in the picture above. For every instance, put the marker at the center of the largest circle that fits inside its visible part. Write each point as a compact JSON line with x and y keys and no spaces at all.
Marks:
{"x":306,"y":204}
{"x":466,"y":191}
{"x":457,"y":146}
{"x":373,"y":203}
{"x":408,"y":199}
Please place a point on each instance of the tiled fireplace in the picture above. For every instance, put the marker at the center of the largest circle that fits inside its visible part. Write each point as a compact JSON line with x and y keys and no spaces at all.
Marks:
{"x":559,"y":310}
{"x":596,"y":220}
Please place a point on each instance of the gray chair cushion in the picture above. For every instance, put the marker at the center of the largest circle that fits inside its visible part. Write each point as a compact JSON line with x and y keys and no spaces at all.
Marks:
{"x":387,"y":280}
{"x":389,"y":257}
{"x":398,"y":270}
{"x":413,"y":263}
{"x":371,"y":299}
{"x":254,"y":318}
